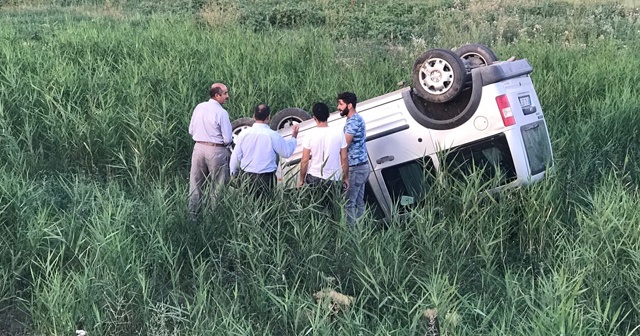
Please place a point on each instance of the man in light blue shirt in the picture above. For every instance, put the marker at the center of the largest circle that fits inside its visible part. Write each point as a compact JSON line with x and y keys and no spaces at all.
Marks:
{"x":355,"y":134}
{"x":210,"y":128}
{"x":257,"y":149}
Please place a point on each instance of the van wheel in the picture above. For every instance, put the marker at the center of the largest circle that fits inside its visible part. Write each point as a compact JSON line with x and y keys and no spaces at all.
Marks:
{"x":288,"y":117}
{"x":476,"y":55}
{"x":239,"y":125}
{"x":439,"y":75}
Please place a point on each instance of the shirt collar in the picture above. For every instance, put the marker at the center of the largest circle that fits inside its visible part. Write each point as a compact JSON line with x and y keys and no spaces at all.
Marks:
{"x":261,"y":125}
{"x":211,"y":100}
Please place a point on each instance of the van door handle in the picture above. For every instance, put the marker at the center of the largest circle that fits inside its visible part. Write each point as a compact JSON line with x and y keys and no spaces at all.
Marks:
{"x":385,"y":159}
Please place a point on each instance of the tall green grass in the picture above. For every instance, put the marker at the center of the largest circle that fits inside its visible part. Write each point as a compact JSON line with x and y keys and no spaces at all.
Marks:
{"x":93,"y":186}
{"x":113,"y":99}
{"x":122,"y":261}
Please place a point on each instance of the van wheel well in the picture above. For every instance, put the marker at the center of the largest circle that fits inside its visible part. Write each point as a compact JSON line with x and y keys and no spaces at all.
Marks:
{"x":448,"y":115}
{"x":239,"y":125}
{"x":288,"y":117}
{"x":476,"y":55}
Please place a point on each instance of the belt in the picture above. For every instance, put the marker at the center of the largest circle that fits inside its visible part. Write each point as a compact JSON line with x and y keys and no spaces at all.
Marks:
{"x":359,"y":164}
{"x":259,"y":174}
{"x":211,"y":144}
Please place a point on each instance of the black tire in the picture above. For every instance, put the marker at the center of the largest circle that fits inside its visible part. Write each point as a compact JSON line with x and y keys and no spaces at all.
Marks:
{"x":238,"y":126}
{"x":444,"y":116}
{"x":288,"y":117}
{"x":439,"y":75}
{"x":476,"y":55}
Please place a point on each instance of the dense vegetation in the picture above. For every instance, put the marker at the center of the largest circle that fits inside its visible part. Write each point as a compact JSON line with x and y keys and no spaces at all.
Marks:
{"x":95,"y":99}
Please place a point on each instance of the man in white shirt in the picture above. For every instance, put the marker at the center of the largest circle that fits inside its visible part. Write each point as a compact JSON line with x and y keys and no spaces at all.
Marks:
{"x":324,"y":157}
{"x":257,"y":149}
{"x":210,"y":128}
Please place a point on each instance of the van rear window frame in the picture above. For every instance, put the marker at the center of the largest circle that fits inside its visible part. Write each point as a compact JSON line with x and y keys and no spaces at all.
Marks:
{"x":498,"y":141}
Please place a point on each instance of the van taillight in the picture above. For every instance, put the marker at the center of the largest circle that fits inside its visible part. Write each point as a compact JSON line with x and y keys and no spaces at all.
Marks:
{"x":505,"y":110}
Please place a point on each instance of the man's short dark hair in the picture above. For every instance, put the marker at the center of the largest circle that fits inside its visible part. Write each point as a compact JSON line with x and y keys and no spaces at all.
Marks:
{"x":214,"y":91}
{"x":348,"y":98}
{"x":262,"y":112}
{"x":320,"y":111}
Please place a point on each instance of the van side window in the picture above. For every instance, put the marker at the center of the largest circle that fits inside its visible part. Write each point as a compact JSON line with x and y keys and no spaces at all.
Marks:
{"x":408,"y":182}
{"x":490,"y":157}
{"x":372,"y":202}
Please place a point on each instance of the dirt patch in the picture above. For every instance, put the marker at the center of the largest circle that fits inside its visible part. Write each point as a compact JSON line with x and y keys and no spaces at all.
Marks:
{"x":217,"y":15}
{"x":334,"y":301}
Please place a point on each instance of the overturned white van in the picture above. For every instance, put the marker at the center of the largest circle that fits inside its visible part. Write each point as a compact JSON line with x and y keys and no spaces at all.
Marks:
{"x":466,"y":111}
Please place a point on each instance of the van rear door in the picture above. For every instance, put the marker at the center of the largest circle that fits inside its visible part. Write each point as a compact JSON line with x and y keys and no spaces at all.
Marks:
{"x":529,"y":118}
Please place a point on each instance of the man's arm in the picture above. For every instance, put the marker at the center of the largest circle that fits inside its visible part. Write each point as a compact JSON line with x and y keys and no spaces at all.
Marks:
{"x":350,"y":130}
{"x":191,"y":123}
{"x":345,"y":166}
{"x":226,"y":129}
{"x":349,"y":138}
{"x":235,"y":161}
{"x":304,"y":165}
{"x":236,"y":158}
{"x":283,"y":147}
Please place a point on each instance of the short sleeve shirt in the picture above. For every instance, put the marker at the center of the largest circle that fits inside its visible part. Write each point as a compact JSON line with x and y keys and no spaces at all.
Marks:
{"x":324,"y":144}
{"x":357,"y":150}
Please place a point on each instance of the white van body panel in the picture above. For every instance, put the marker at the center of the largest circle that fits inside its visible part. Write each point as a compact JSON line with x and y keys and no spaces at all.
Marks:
{"x":395,"y":137}
{"x":485,"y":122}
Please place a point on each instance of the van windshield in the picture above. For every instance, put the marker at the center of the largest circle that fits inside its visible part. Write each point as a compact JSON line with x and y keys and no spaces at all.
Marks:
{"x":408,"y":182}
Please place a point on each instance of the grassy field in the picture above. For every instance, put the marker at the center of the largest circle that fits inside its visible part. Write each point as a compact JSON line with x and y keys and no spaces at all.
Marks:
{"x":95,"y":100}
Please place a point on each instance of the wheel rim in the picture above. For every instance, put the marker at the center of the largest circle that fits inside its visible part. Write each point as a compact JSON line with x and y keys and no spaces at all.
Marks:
{"x":235,"y":133}
{"x":474,"y":59}
{"x":436,"y":76}
{"x":289,"y":121}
